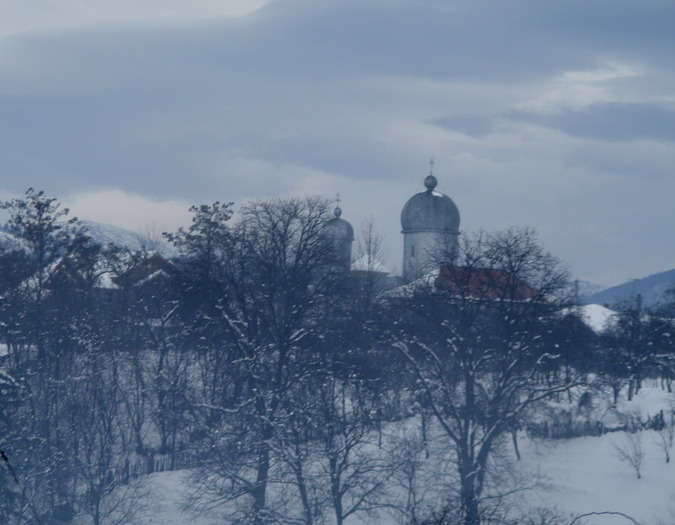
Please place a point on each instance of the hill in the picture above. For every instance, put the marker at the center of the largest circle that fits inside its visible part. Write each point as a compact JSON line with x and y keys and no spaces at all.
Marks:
{"x":105,"y":234}
{"x":651,"y":288}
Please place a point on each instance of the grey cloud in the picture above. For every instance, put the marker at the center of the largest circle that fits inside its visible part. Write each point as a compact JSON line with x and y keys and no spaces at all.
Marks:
{"x":333,"y":38}
{"x":471,"y":125}
{"x":329,"y":39}
{"x":242,"y":84}
{"x":611,"y":121}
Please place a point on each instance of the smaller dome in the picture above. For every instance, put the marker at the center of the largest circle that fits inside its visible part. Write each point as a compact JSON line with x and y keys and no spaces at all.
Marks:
{"x":339,"y":229}
{"x":430,"y":211}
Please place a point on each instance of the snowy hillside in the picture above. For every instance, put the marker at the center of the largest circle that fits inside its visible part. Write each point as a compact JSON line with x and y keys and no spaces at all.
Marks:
{"x":596,"y":316}
{"x":105,"y":234}
{"x":570,"y":477}
{"x":585,"y":474}
{"x":102,"y":234}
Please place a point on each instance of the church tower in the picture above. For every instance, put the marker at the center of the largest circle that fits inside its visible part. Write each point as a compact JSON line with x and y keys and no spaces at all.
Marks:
{"x":430,"y":227}
{"x":341,"y":235}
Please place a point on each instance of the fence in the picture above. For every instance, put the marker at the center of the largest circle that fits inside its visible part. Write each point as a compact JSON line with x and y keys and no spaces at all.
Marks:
{"x":568,"y":428}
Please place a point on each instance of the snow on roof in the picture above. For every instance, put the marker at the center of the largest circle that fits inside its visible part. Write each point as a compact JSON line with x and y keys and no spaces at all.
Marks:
{"x":408,"y":289}
{"x":152,"y":277}
{"x":9,"y":242}
{"x":146,"y":269}
{"x":106,"y":281}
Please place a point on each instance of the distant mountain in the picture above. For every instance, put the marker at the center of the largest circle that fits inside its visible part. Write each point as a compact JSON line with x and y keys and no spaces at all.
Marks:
{"x":105,"y":234}
{"x":651,"y":288}
{"x":102,"y":234}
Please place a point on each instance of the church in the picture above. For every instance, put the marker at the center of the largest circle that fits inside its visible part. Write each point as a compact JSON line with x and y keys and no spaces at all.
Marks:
{"x":430,"y":228}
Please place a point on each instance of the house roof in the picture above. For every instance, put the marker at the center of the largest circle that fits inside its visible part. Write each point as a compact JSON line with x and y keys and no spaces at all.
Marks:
{"x":146,"y":270}
{"x":484,"y":283}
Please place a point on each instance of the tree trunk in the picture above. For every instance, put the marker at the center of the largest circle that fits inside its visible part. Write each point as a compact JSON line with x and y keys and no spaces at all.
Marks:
{"x":259,"y":492}
{"x":302,"y":487}
{"x":470,"y":507}
{"x":617,"y":387}
{"x":335,"y":491}
{"x":469,"y":497}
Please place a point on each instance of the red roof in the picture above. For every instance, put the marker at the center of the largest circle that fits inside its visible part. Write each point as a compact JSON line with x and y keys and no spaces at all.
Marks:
{"x":483,"y":283}
{"x":147,"y":267}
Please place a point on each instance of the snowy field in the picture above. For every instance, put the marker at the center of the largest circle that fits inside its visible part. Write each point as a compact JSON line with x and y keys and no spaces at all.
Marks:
{"x":584,"y":475}
{"x":575,"y":476}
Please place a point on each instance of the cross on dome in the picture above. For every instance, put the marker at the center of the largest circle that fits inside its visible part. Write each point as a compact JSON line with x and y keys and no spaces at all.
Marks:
{"x":337,"y":211}
{"x":430,"y":182}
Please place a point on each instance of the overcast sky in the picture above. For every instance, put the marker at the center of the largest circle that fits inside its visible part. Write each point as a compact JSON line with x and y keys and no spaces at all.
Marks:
{"x":555,"y":115}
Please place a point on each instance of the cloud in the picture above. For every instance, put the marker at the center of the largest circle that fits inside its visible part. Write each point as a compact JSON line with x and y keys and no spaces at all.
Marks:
{"x":472,"y":125}
{"x":38,"y":15}
{"x":613,"y":121}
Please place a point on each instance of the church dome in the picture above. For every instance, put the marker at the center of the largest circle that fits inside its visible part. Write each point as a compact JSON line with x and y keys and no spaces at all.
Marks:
{"x":339,"y":229}
{"x":430,"y":211}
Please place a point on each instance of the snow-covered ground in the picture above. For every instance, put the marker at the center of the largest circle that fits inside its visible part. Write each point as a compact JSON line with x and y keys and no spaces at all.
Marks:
{"x":584,"y":475}
{"x":577,"y":476}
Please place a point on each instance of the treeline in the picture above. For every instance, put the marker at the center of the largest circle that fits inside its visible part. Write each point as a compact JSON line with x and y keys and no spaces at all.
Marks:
{"x":276,"y":373}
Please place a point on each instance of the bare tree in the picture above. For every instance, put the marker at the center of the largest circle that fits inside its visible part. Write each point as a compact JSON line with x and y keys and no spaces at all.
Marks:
{"x":355,"y":467}
{"x":271,"y":268}
{"x":368,"y":268}
{"x":637,"y":341}
{"x":664,"y":440}
{"x":475,"y":346}
{"x":631,"y":451}
{"x":424,"y":476}
{"x":666,"y":434}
